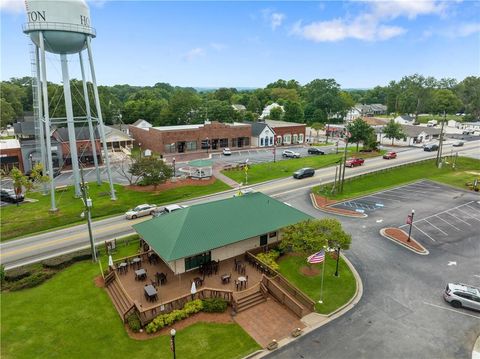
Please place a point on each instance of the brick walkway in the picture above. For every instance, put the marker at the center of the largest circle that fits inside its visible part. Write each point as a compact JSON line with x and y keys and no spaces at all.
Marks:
{"x":267,"y":321}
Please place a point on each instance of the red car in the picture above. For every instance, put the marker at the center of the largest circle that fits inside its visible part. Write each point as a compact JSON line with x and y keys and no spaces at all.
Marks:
{"x":390,"y":155}
{"x":352,"y":162}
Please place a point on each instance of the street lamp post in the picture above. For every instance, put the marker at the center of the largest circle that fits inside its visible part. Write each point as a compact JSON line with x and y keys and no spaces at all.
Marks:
{"x":410,"y":222}
{"x":172,"y":342}
{"x":338,"y":259}
{"x":173,"y":163}
{"x":274,"y":152}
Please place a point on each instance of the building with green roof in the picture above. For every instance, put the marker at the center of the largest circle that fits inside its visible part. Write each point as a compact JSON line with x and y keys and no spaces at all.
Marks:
{"x":217,"y":230}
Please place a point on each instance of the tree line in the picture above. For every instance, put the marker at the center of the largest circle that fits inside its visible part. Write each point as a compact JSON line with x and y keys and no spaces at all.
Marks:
{"x":319,"y":101}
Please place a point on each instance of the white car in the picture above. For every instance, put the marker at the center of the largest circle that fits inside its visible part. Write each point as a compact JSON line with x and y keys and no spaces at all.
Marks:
{"x":141,"y":211}
{"x":462,"y":295}
{"x":457,"y":144}
{"x":291,"y":154}
{"x":168,"y":209}
{"x":227,"y":151}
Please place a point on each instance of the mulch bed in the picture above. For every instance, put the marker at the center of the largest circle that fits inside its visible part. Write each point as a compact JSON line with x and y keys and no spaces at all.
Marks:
{"x":324,"y":203}
{"x":170,"y":185}
{"x":309,"y":271}
{"x":400,"y":236}
{"x":222,"y":318}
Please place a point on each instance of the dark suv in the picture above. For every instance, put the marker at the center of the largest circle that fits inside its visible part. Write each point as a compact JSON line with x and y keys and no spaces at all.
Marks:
{"x":8,"y":195}
{"x":430,"y":148}
{"x":304,"y":172}
{"x":315,"y":151}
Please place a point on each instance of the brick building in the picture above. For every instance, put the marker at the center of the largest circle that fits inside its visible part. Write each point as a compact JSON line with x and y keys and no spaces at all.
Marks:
{"x":191,"y":138}
{"x":288,"y":133}
{"x":84,"y":146}
{"x":10,"y":155}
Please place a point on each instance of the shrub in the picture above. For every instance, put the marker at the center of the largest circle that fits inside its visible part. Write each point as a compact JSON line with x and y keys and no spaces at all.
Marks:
{"x":269,"y":258}
{"x":134,"y":323}
{"x":59,"y":262}
{"x":214,"y":305}
{"x":164,"y":320}
{"x":16,"y":274}
{"x":31,"y":281}
{"x":193,"y":307}
{"x":2,"y":273}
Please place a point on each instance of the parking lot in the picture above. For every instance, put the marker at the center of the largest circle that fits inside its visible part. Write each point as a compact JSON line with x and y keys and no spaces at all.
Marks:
{"x":393,"y":198}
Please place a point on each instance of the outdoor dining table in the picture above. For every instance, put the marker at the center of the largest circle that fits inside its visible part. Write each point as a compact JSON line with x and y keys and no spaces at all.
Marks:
{"x":140,"y":274}
{"x":243,"y":281}
{"x":123,"y":267}
{"x":226,"y":278}
{"x":136,"y":261}
{"x":151,"y":292}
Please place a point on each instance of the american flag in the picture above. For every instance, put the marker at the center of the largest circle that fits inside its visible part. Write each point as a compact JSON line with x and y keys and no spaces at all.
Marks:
{"x":318,"y":257}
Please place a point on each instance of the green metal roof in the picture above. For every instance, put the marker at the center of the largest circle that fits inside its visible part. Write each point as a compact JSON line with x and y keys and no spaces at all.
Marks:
{"x":203,"y":227}
{"x":200,"y":163}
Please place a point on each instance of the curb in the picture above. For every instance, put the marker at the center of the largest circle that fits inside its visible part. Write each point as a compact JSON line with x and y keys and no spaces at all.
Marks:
{"x":325,"y":209}
{"x":425,"y":253}
{"x":323,"y":319}
{"x":476,"y":349}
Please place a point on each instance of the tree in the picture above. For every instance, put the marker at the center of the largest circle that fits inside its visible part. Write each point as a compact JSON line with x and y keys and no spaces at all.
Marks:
{"x":469,"y":91}
{"x":446,"y":101}
{"x":393,"y":131}
{"x":21,"y":182}
{"x":276,"y":114}
{"x":7,"y":113}
{"x":293,"y":112}
{"x":359,"y":131}
{"x":312,"y":235}
{"x":152,"y":170}
{"x":124,"y":169}
{"x":317,"y":126}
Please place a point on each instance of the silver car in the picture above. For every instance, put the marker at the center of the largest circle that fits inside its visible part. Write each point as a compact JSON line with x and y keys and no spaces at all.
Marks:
{"x":291,"y":154}
{"x":140,"y":211}
{"x":462,"y":295}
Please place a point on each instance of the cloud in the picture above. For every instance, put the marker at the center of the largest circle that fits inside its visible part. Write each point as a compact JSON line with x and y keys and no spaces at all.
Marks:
{"x":194,"y":53}
{"x":12,"y":6}
{"x":97,"y":3}
{"x":274,"y":19}
{"x":218,"y":46}
{"x":468,"y":29}
{"x":372,"y":23}
{"x":339,"y":29}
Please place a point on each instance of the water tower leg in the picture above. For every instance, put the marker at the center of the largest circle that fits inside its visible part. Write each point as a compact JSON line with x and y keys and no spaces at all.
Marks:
{"x":100,"y":120}
{"x":41,"y":124}
{"x":89,"y":119}
{"x":72,"y":141}
{"x":46,"y":115}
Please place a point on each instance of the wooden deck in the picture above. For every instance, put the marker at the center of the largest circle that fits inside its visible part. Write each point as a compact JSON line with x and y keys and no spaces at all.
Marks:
{"x":180,"y":285}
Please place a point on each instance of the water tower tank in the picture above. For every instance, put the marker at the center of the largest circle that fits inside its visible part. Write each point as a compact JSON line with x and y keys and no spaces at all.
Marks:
{"x":65,"y":24}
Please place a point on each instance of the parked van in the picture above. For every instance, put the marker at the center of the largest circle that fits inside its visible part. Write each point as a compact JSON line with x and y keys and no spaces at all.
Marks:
{"x":432,"y":123}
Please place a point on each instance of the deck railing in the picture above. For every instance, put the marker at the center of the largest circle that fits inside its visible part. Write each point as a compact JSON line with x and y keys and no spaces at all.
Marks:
{"x":146,"y":315}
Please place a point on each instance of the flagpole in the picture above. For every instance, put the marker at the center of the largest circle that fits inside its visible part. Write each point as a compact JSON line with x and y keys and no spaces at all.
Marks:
{"x":321,"y":286}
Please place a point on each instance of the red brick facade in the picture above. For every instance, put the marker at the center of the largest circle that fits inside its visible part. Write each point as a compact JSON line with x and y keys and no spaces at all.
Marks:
{"x":295,"y":131}
{"x":84,"y":151}
{"x":178,"y":140}
{"x":11,"y":157}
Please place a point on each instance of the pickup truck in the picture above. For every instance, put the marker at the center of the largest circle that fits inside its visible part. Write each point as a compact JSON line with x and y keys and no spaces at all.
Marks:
{"x":352,"y":162}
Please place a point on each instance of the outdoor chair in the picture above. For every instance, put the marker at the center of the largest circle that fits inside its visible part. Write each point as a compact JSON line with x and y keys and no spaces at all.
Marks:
{"x":237,"y":284}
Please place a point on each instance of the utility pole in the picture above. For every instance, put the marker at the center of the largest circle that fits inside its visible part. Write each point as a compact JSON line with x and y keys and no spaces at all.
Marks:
{"x":87,"y":202}
{"x":440,"y":145}
{"x":343,"y":165}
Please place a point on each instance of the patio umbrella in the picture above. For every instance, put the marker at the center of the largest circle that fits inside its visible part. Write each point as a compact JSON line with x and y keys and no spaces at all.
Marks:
{"x":110,"y":261}
{"x":193,"y":290}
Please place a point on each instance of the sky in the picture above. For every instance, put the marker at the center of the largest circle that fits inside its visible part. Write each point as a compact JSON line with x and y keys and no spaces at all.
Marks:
{"x":360,"y":44}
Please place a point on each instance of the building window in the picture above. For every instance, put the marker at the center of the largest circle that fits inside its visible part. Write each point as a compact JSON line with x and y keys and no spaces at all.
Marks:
{"x":271,"y":141}
{"x":263,"y":240}
{"x":279,"y":140}
{"x":233,"y":142}
{"x":272,"y":234}
{"x":300,"y":138}
{"x":287,"y":139}
{"x":170,"y":148}
{"x":196,"y":261}
{"x":191,"y":145}
{"x":223,"y":142}
{"x":261,"y":141}
{"x":295,"y":138}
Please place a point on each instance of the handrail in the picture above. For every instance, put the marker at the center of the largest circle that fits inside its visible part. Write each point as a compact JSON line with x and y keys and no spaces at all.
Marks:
{"x":58,"y":26}
{"x":245,"y":293}
{"x":120,"y":260}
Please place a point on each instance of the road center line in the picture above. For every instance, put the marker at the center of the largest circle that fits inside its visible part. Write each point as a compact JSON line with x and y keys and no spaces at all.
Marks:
{"x":452,"y":310}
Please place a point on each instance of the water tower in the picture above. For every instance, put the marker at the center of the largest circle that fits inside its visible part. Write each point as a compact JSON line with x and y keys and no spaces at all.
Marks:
{"x":63,"y":27}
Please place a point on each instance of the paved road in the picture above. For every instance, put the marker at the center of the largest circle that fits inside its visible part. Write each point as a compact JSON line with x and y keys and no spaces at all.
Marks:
{"x":402,"y":313}
{"x":34,"y":248}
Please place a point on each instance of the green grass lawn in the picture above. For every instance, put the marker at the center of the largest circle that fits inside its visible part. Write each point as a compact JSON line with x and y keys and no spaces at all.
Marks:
{"x":336,"y":290}
{"x":262,"y":172}
{"x":393,"y":177}
{"x":69,"y":317}
{"x":35,"y":217}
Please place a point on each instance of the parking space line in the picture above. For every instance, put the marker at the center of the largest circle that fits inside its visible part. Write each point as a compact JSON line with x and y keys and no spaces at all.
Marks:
{"x":446,"y":211}
{"x":387,"y":199}
{"x":392,"y":195}
{"x":435,"y":227}
{"x":452,"y":310}
{"x":468,"y":214}
{"x":440,"y":218}
{"x":473,"y":208}
{"x":424,"y":233}
{"x":461,"y":220}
